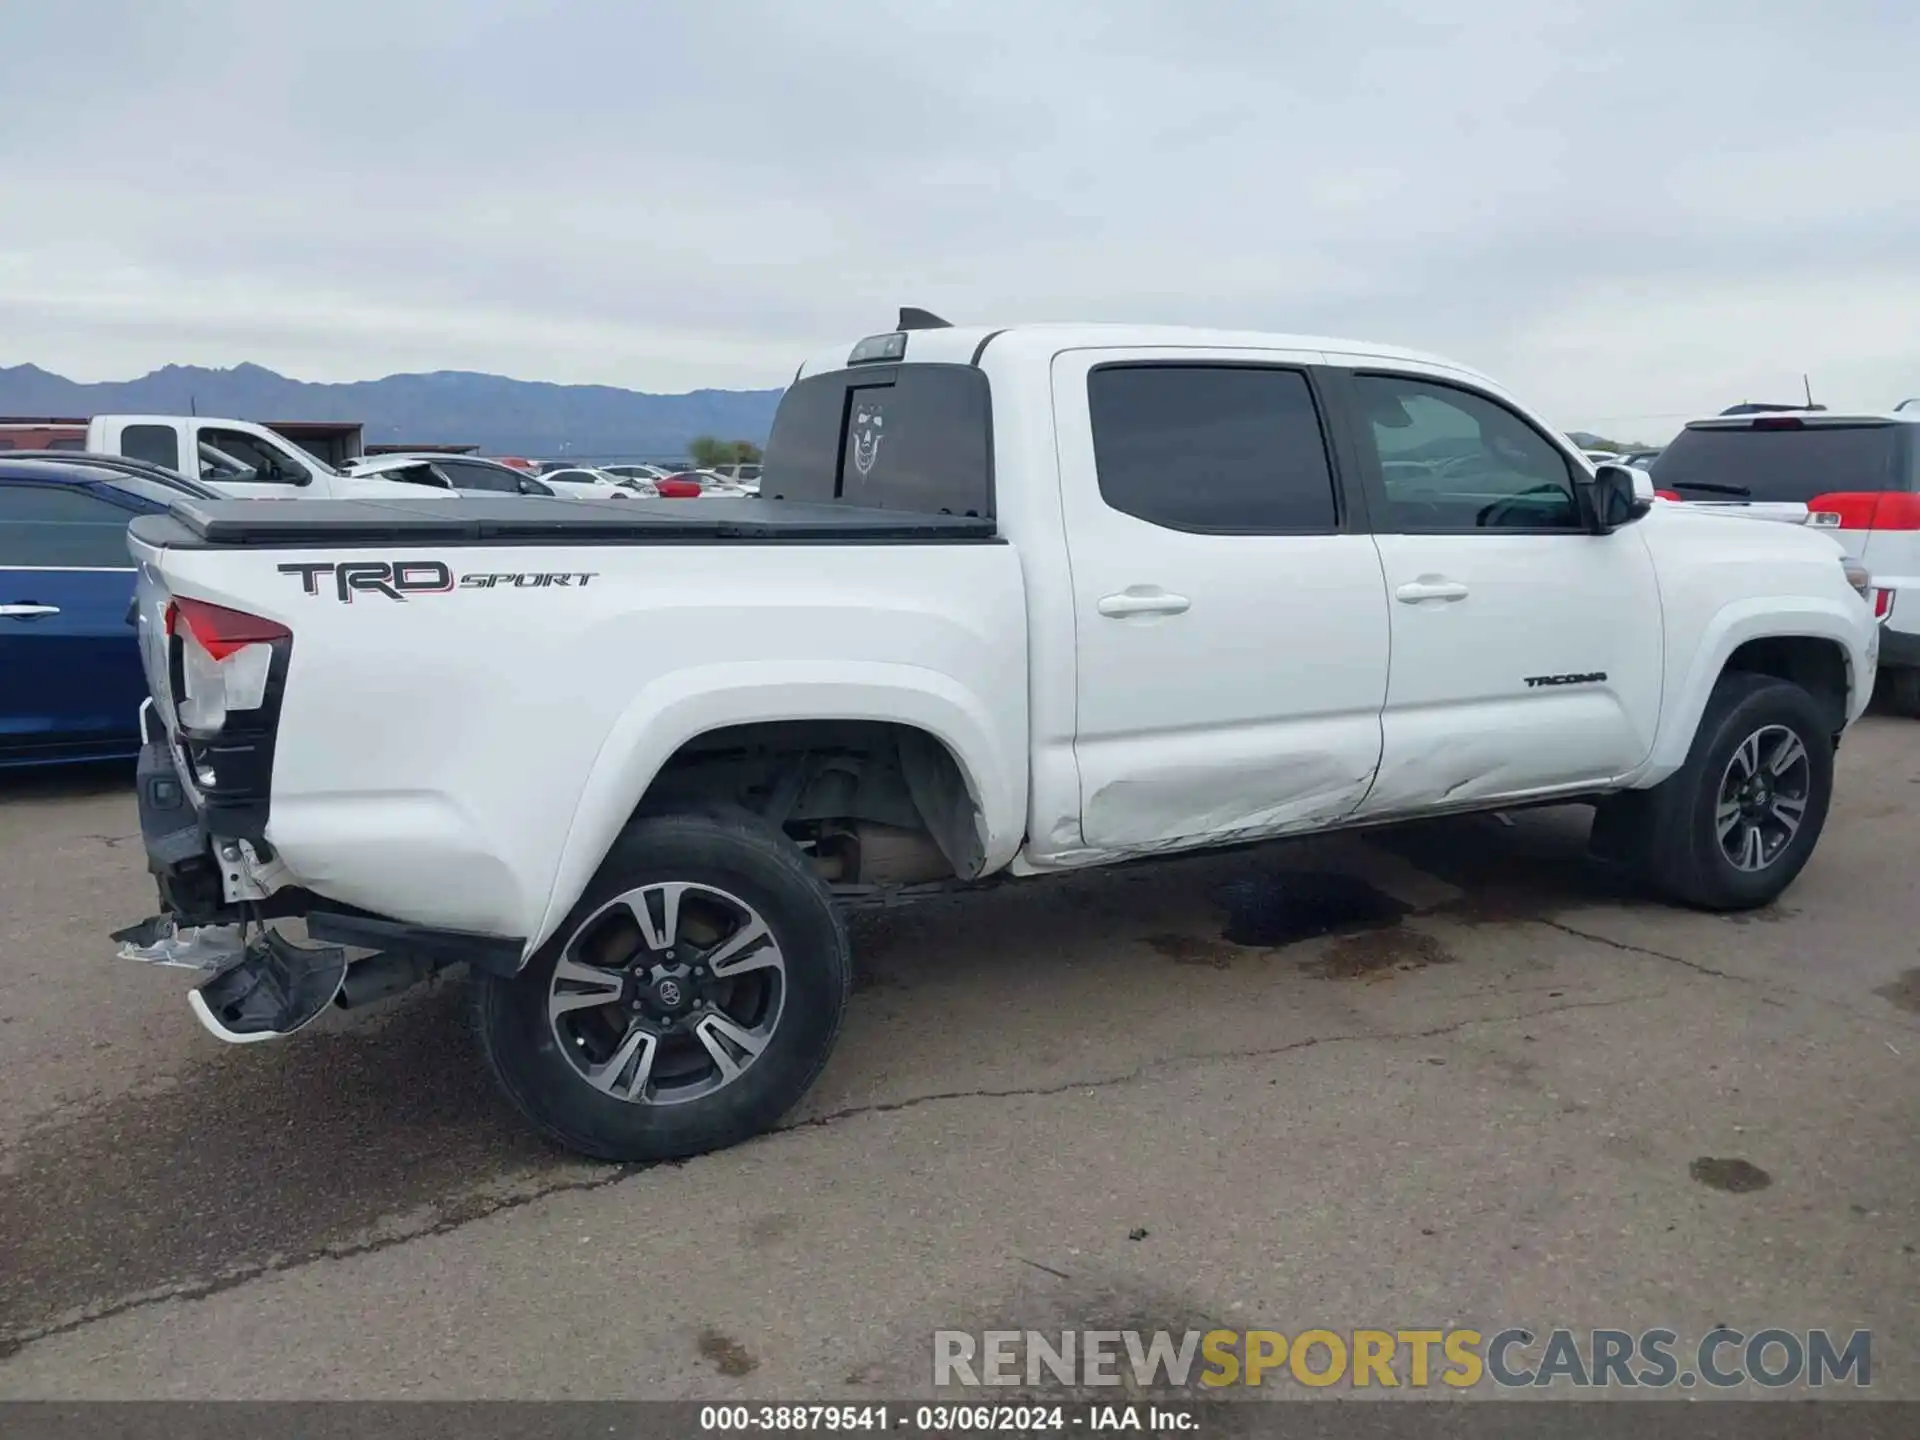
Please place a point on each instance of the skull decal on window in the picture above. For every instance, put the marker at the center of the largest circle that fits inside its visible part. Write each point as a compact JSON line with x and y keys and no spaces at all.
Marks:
{"x":869,"y":429}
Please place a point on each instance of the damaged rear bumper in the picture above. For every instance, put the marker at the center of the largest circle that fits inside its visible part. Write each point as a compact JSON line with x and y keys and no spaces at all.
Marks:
{"x":219,"y":896}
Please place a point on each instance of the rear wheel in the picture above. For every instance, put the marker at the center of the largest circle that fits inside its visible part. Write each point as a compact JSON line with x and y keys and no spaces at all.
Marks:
{"x":689,"y":1000}
{"x":1733,"y":828}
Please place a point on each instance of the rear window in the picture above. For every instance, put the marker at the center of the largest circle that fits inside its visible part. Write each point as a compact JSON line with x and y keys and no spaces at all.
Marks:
{"x":893,"y":437}
{"x":1784,"y":465}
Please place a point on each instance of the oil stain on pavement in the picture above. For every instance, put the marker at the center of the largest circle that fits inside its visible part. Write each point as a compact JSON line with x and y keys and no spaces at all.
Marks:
{"x":1903,"y":993}
{"x":1289,"y":906}
{"x":1735,"y":1176}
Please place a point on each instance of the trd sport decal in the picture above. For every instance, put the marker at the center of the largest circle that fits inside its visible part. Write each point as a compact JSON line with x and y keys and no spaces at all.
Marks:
{"x":1594,"y":677}
{"x":398,"y":579}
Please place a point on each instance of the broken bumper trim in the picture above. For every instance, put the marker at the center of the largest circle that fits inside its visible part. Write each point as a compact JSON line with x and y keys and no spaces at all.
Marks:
{"x":180,"y":847}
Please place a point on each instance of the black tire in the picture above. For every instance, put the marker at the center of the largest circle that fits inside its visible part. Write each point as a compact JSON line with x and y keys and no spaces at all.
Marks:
{"x":1683,"y":853}
{"x":1901,"y":687}
{"x":732,"y":852}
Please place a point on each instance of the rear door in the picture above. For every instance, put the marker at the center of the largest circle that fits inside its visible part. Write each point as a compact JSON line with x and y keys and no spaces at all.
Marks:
{"x":74,"y":682}
{"x":1230,"y":619}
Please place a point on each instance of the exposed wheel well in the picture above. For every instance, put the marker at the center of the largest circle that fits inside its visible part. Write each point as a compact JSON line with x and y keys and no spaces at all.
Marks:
{"x":875,"y":803}
{"x":1817,"y":666}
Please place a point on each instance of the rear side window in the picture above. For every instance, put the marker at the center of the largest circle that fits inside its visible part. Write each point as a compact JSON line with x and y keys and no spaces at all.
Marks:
{"x":156,"y":444}
{"x":1220,"y":449}
{"x":893,"y":437}
{"x":59,"y":526}
{"x":1785,"y":466}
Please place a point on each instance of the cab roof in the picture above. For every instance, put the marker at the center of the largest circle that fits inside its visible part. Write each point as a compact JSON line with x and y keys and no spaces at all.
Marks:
{"x":963,"y":344}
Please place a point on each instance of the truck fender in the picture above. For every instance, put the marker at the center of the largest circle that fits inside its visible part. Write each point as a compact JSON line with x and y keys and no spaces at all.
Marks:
{"x":684,"y":704}
{"x":1733,"y":625}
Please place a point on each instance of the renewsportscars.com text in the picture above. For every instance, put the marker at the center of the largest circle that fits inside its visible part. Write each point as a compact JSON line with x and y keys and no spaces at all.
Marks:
{"x":1512,"y":1358}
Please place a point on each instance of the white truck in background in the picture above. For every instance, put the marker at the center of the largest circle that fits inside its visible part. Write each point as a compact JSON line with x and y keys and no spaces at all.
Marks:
{"x":1023,"y":601}
{"x":240,"y":458}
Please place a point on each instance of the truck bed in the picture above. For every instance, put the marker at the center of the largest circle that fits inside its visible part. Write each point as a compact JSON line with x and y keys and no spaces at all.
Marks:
{"x":537,"y":520}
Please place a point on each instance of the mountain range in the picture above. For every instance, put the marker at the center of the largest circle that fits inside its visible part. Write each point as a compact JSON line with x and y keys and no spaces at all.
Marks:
{"x":501,"y":416}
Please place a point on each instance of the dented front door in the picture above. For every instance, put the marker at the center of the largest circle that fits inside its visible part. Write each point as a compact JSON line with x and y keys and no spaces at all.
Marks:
{"x":1231,"y":622}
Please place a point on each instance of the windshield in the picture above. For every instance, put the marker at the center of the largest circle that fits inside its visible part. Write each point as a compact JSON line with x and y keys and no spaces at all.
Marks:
{"x":1785,"y":465}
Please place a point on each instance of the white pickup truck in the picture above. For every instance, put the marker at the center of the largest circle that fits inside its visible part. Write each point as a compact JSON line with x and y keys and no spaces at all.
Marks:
{"x":237,"y":457}
{"x":1017,"y":600}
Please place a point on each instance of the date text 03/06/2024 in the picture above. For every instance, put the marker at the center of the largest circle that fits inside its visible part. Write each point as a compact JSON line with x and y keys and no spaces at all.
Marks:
{"x":942,"y":1419}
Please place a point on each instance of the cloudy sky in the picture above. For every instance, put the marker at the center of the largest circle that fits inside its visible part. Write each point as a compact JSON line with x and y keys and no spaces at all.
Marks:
{"x":1628,"y":210}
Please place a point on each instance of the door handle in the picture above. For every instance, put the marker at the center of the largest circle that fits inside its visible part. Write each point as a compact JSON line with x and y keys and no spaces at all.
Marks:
{"x":1415,"y":591}
{"x":28,"y":612}
{"x":1143,"y":602}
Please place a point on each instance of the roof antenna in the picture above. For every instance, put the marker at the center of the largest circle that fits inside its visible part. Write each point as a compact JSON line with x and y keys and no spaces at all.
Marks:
{"x":912,"y":317}
{"x":1806,"y":384}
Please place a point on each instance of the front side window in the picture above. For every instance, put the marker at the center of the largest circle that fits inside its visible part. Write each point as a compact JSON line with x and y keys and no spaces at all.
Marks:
{"x":268,"y":462}
{"x":59,"y":526}
{"x":1217,"y":449}
{"x":1453,"y":460}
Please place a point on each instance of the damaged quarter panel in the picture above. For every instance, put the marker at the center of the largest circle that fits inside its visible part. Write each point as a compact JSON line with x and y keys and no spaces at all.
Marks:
{"x":481,"y":795}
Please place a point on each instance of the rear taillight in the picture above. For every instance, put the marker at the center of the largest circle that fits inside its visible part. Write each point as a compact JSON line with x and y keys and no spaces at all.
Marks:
{"x":219,"y":630}
{"x":1882,"y":604}
{"x":225,"y":658}
{"x":1866,"y":510}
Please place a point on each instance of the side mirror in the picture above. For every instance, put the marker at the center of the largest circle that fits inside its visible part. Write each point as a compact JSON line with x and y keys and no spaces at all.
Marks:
{"x":1616,"y":495}
{"x":531,"y":487}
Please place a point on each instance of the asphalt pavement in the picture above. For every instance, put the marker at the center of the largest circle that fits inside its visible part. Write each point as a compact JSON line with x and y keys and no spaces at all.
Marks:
{"x":1506,"y":1089}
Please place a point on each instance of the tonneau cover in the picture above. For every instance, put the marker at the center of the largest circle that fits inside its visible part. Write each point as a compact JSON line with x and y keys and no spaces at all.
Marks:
{"x":537,"y":520}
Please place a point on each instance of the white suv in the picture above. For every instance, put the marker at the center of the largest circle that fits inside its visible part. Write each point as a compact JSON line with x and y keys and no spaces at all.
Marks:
{"x":1854,"y":475}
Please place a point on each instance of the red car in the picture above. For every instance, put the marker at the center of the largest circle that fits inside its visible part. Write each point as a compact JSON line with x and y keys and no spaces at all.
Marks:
{"x":685,"y":485}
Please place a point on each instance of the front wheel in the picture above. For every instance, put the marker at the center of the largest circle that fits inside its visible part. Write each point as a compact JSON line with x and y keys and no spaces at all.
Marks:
{"x":1739,"y":821}
{"x":687,"y":1002}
